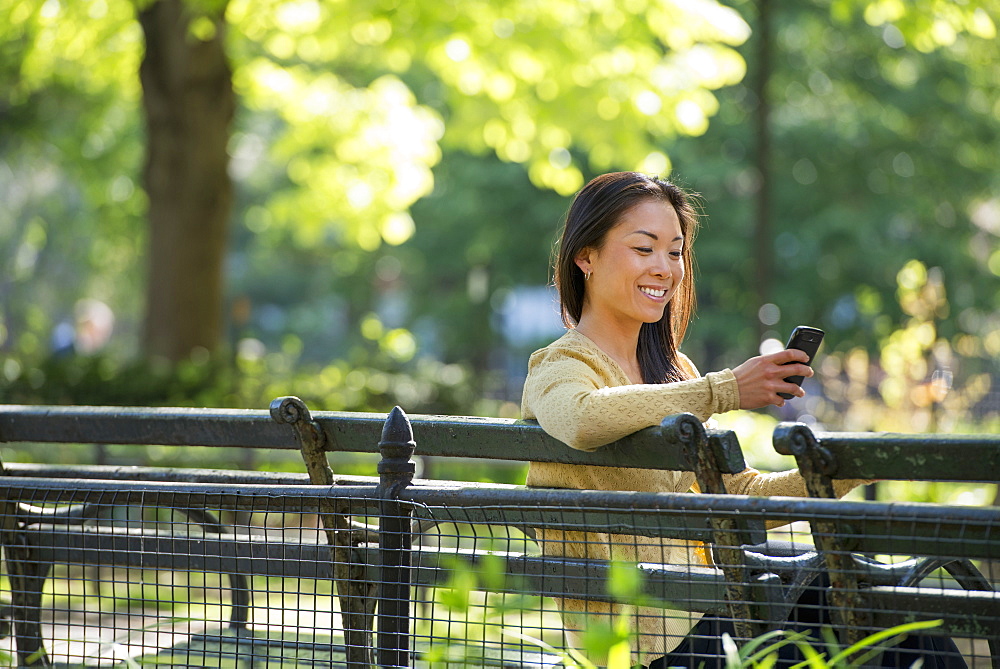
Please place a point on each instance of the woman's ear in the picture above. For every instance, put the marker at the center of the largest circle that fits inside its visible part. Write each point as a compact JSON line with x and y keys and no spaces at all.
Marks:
{"x":583,"y":260}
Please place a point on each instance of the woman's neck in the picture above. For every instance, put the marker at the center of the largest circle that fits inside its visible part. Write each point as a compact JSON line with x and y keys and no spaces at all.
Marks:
{"x":618,"y":341}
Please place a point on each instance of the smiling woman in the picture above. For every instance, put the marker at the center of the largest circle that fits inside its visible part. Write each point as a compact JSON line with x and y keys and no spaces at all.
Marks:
{"x":626,"y":301}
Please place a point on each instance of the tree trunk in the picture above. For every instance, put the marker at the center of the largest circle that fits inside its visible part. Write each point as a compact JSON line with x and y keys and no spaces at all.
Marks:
{"x":189,"y":102}
{"x":763,"y":242}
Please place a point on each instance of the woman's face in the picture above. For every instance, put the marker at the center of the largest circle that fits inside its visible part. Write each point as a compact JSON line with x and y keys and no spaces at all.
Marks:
{"x":638,"y":268}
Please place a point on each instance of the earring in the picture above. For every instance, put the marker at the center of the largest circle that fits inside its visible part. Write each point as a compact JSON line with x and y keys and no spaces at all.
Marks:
{"x":586,"y":276}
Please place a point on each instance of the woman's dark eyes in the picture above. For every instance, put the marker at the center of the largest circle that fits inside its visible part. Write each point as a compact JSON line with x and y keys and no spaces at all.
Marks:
{"x":646,"y":249}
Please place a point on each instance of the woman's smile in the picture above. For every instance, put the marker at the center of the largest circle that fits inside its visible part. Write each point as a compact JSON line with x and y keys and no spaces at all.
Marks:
{"x":655,"y":293}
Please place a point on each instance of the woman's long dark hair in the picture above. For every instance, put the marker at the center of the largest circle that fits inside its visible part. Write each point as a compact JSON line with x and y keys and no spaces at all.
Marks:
{"x":596,"y":209}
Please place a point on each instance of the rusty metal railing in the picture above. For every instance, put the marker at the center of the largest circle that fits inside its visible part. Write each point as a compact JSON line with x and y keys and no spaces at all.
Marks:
{"x":212,"y":567}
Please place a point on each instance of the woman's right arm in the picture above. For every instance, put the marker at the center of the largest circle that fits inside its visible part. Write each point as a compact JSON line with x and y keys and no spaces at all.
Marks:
{"x":568,"y":397}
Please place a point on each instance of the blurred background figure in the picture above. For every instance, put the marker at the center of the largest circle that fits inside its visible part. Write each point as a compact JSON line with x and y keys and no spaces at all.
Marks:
{"x":91,"y":329}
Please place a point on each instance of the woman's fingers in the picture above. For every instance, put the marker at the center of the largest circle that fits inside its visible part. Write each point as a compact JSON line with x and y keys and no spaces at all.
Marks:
{"x":760,"y":379}
{"x":788,"y":355}
{"x":795,"y":369}
{"x":780,"y":385}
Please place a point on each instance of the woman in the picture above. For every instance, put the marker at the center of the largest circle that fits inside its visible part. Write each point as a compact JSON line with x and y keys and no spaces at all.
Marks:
{"x":626,"y":297}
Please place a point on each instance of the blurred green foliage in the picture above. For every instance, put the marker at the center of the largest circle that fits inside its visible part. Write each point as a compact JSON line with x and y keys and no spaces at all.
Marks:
{"x":882,"y":154}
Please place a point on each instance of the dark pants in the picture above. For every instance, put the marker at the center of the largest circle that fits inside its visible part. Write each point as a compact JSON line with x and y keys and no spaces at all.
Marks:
{"x":702,"y":647}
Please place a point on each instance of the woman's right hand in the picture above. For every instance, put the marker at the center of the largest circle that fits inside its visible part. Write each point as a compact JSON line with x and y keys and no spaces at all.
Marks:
{"x":760,"y":379}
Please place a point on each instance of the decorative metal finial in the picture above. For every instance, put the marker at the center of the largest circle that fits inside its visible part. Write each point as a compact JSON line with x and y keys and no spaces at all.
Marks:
{"x":397,"y":446}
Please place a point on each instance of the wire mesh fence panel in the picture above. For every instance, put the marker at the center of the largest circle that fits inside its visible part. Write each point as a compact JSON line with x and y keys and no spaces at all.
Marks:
{"x":542,"y":585}
{"x":102,"y":573}
{"x":905,"y":564}
{"x":514,"y":591}
{"x":107,"y":577}
{"x":474,"y":600}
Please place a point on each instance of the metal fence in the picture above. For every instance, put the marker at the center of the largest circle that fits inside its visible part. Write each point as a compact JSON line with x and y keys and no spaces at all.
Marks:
{"x":196,"y":568}
{"x":229,"y":575}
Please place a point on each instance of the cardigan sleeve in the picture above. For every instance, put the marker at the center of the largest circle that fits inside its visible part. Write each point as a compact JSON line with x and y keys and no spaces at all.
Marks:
{"x":786,"y":484}
{"x":566,"y":393}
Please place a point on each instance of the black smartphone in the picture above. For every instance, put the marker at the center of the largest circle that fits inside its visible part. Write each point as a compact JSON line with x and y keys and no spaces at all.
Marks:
{"x":805,"y":339}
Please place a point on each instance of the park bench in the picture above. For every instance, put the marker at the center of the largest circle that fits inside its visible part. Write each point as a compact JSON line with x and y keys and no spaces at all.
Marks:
{"x":36,"y":537}
{"x":971,"y":607}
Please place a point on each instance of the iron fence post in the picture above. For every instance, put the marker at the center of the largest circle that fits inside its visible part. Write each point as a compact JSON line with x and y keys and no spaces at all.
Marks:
{"x":396,"y":471}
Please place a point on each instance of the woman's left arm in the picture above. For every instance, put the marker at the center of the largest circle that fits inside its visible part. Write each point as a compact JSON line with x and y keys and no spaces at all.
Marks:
{"x":785,"y":484}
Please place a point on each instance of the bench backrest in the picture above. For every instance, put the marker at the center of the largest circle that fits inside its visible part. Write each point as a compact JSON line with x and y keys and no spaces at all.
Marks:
{"x":659,"y":447}
{"x":887,"y":455}
{"x":679,"y":443}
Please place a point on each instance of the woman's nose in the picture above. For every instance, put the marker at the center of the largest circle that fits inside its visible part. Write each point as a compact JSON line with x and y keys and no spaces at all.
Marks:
{"x":660,"y":268}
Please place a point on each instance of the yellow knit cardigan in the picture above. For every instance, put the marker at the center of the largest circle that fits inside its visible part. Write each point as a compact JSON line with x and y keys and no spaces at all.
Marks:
{"x":581,"y":396}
